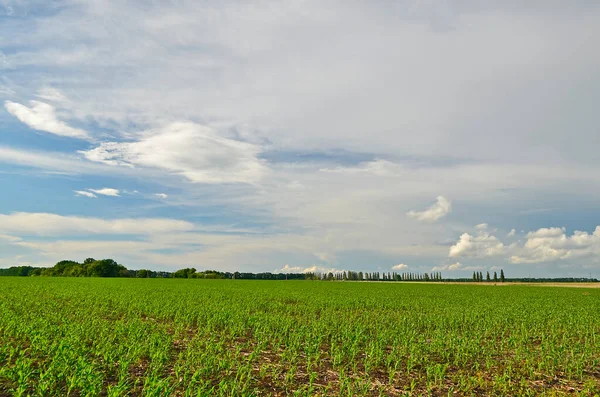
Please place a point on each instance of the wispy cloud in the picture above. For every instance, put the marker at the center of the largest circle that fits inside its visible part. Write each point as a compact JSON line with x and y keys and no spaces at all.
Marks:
{"x":438,"y":210}
{"x":85,"y":194}
{"x":455,"y":267}
{"x":106,"y":191}
{"x":187,"y":149}
{"x":307,"y":269}
{"x":52,"y":161}
{"x":51,"y":94}
{"x":47,"y":224}
{"x":42,"y":117}
{"x":375,"y":167}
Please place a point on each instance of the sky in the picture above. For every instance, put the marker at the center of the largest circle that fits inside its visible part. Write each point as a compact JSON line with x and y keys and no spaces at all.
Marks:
{"x":299,"y":135}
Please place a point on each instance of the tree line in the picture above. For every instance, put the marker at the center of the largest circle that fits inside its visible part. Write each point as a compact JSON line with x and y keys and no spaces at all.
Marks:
{"x":91,"y":267}
{"x":110,"y":268}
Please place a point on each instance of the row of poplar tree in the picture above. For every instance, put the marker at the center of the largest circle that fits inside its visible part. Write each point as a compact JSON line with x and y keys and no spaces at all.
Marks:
{"x":376,"y":276}
{"x":478,"y":277}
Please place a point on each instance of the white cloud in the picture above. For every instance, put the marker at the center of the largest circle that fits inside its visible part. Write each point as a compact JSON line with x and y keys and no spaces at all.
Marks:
{"x":363,"y":101}
{"x":481,"y":226}
{"x":266,"y":66}
{"x":161,"y":195}
{"x":55,"y":162}
{"x":438,"y":210}
{"x":552,"y":244}
{"x":453,"y":267}
{"x":400,"y":266}
{"x":481,"y":246}
{"x":512,"y":233}
{"x":310,"y":269}
{"x":42,"y":117}
{"x":10,"y":239}
{"x":85,"y":194}
{"x":187,"y":149}
{"x":376,"y":167}
{"x":545,"y":245}
{"x":51,"y":94}
{"x":106,"y":191}
{"x":295,"y":185}
{"x":61,"y":249}
{"x":45,"y":224}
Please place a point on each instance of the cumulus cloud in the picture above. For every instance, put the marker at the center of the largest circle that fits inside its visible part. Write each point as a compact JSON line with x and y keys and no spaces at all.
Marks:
{"x":512,"y":233}
{"x":545,"y":245}
{"x":438,"y":210}
{"x":553,"y":244}
{"x":106,"y":191}
{"x":161,"y":195}
{"x":480,"y":246}
{"x":187,"y":149}
{"x":85,"y":194}
{"x":46,"y":224}
{"x":42,"y":117}
{"x":400,"y":266}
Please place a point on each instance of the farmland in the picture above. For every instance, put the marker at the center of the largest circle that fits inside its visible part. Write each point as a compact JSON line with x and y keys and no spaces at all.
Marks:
{"x":162,"y":337}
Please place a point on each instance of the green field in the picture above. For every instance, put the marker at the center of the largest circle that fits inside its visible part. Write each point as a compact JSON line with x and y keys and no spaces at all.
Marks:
{"x":162,"y":337}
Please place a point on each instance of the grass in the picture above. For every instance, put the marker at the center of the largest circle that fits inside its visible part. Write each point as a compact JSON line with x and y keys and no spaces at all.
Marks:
{"x":162,"y":337}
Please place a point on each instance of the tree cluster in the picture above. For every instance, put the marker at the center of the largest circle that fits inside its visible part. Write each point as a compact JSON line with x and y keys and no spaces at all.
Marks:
{"x":89,"y":268}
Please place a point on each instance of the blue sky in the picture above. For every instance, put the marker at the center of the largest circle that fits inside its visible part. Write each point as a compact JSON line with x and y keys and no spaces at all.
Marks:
{"x":289,"y":136}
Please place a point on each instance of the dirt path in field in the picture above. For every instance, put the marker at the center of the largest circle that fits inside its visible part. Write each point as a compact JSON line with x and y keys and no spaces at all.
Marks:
{"x":508,"y":284}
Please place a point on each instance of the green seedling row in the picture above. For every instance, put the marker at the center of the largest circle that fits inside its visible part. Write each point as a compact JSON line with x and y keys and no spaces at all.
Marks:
{"x":169,"y":337}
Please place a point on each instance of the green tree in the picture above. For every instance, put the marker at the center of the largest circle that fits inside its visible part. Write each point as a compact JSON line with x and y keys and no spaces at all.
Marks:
{"x":103,"y":268}
{"x":184,"y":273}
{"x":502,"y":275}
{"x":495,"y":277}
{"x":63,"y":267}
{"x":487,"y":277}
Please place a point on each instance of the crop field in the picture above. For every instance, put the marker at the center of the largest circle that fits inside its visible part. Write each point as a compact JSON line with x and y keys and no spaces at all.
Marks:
{"x":164,"y":337}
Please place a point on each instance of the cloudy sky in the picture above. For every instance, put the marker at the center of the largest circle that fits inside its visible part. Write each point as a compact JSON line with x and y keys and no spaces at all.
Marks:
{"x":453,"y":135}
